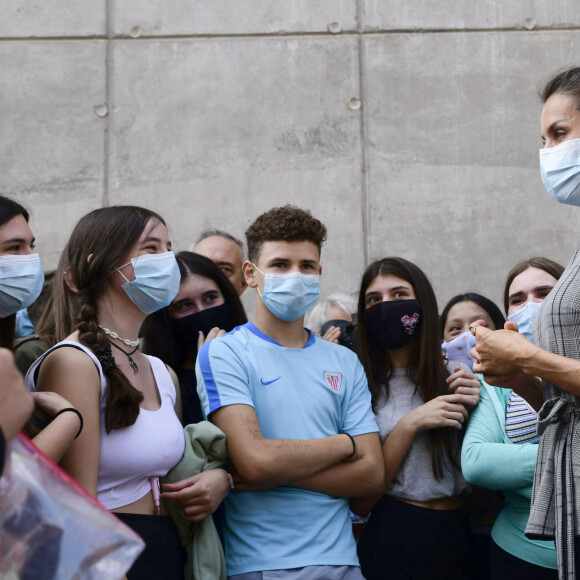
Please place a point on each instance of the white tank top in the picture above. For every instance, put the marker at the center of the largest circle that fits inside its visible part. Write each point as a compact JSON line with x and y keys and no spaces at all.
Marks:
{"x":130,"y":456}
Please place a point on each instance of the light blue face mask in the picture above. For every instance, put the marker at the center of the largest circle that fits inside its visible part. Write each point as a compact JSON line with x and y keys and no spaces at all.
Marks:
{"x":289,"y":296}
{"x":156,"y":281}
{"x":560,"y":169}
{"x":524,"y":318}
{"x":459,"y":349}
{"x":23,"y":326}
{"x":21,"y":280}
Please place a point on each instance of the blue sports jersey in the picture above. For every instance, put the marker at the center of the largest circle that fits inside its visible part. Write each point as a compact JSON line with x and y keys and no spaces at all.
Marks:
{"x":316,"y":391}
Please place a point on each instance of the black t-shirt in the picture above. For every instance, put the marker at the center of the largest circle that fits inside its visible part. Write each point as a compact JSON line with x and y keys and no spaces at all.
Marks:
{"x":190,"y":402}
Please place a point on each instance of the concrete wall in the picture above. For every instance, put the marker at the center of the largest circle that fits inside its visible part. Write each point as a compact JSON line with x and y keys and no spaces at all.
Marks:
{"x":409,"y":127}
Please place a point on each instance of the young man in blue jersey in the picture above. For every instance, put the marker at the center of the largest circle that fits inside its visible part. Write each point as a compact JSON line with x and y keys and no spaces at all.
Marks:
{"x":297,"y":414}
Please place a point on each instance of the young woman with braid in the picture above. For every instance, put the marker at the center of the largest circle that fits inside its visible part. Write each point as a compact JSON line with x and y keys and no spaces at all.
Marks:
{"x":120,"y":268}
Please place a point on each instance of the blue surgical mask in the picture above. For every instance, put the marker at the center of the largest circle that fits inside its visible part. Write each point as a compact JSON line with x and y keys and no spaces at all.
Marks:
{"x":560,"y":169}
{"x":289,"y":296}
{"x":21,"y":280}
{"x":23,"y":326}
{"x":156,"y":281}
{"x":459,"y":348}
{"x":524,"y":318}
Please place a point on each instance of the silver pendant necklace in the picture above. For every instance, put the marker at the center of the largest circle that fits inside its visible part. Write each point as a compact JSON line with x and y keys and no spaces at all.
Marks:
{"x":128,"y":355}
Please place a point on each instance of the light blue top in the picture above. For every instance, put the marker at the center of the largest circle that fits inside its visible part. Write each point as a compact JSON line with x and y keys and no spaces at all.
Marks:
{"x":489,"y":459}
{"x":313,"y":392}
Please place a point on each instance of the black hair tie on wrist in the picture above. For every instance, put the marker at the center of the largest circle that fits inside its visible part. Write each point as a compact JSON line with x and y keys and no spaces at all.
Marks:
{"x":353,"y":445}
{"x":78,"y":413}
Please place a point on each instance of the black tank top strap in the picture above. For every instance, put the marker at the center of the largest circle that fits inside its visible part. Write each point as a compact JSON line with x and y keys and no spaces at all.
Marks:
{"x":37,"y":369}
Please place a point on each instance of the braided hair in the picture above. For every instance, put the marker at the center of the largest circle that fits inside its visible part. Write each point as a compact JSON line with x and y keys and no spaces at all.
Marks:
{"x":97,"y":244}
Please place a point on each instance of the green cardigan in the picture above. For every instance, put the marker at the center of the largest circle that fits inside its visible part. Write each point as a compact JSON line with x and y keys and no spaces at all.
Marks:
{"x":205,"y":448}
{"x":489,"y":459}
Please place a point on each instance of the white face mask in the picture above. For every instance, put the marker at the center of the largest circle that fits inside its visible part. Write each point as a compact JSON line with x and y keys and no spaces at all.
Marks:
{"x":560,"y":169}
{"x":459,"y":348}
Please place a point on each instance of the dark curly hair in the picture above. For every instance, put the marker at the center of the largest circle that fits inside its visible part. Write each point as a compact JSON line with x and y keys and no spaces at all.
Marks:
{"x":287,"y":224}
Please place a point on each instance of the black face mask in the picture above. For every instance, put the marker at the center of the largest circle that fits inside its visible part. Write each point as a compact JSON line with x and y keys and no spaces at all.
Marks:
{"x":186,"y":329}
{"x":346,"y":331}
{"x":393,"y":324}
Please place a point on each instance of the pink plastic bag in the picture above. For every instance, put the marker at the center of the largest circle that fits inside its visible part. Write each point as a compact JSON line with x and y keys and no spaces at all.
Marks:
{"x":52,"y":529}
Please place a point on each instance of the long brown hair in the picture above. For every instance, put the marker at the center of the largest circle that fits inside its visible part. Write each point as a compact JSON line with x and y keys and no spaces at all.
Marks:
{"x":57,"y":320}
{"x":426,"y":369}
{"x":97,"y":244}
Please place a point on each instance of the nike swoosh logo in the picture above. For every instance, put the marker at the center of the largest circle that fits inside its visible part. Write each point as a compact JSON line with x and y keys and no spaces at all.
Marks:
{"x":266,"y":383}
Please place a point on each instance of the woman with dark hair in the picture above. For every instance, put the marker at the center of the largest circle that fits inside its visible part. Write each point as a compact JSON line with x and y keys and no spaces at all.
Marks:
{"x":21,"y":279}
{"x":418,"y":528}
{"x":549,"y":370}
{"x":457,"y":316}
{"x":205,"y":304}
{"x":120,"y":266}
{"x":21,"y":275}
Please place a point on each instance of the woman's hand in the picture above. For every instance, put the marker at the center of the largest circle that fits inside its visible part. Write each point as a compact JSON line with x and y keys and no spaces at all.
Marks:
{"x":332,"y":334}
{"x":443,"y":411}
{"x":49,"y":403}
{"x":213,"y":333}
{"x":464,"y":382}
{"x":199,"y":495}
{"x":495,"y":353}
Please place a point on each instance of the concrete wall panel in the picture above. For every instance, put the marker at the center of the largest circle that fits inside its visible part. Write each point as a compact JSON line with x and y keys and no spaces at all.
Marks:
{"x":453,"y":133}
{"x":214,"y":133}
{"x":212,"y":113}
{"x":53,"y":18}
{"x":425,"y":14}
{"x":51,"y":141}
{"x":187,"y":17}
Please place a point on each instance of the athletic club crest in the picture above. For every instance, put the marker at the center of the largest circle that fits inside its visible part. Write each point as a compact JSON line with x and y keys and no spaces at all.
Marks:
{"x":333,"y":380}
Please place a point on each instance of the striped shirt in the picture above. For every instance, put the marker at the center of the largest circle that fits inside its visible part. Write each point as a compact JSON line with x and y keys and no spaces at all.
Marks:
{"x":521,"y":421}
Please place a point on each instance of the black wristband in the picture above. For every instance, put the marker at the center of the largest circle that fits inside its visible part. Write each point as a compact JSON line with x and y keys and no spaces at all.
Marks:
{"x":353,"y":445}
{"x":72,"y":411}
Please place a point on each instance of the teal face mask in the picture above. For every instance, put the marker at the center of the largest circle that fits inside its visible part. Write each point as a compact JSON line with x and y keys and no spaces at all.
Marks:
{"x":289,"y":296}
{"x":524,"y":318}
{"x":156,"y":281}
{"x":21,"y":280}
{"x":560,"y":169}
